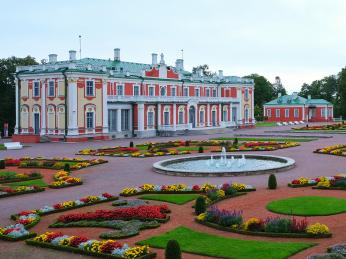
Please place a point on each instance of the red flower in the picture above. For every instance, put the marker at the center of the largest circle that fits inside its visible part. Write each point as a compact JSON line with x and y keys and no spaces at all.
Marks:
{"x":75,"y":241}
{"x":107,"y":195}
{"x":196,"y":188}
{"x":53,"y":235}
{"x":110,"y":246}
{"x":57,"y":206}
{"x":295,"y":181}
{"x":26,"y":212}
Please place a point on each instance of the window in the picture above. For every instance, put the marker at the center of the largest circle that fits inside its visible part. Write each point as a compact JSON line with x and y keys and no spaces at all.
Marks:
{"x":246,"y":94}
{"x":90,"y":120}
{"x":207,"y":92}
{"x":224,"y":115}
{"x":186,"y":91}
{"x":51,"y":88}
{"x":323,"y":114}
{"x":201,"y":116}
{"x":269,"y":113}
{"x":136,"y":90}
{"x":112,"y":120}
{"x":125,"y":117}
{"x":197,"y":92}
{"x":166,"y":118}
{"x":296,"y":113}
{"x":151,"y":90}
{"x":287,"y":113}
{"x":181,"y":117}
{"x":163,"y":91}
{"x":214,"y":92}
{"x":120,"y":90}
{"x":173,"y":91}
{"x":246,"y":114}
{"x":36,"y":90}
{"x":150,"y":119}
{"x":329,"y":112}
{"x":277,"y":113}
{"x":89,"y":88}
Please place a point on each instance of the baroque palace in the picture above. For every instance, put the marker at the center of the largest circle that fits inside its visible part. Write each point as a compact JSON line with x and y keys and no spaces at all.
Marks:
{"x":81,"y":99}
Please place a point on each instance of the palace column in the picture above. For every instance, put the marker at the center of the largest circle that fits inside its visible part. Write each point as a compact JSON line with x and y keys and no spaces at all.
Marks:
{"x":104,"y":107}
{"x":208,"y":115}
{"x":72,"y":100}
{"x":118,"y":120}
{"x":158,"y":115}
{"x":140,"y":117}
{"x":16,"y":128}
{"x":174,"y":116}
{"x":220,"y":114}
{"x":43,"y":108}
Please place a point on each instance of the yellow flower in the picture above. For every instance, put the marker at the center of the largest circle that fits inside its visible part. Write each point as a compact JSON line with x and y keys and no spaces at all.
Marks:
{"x":148,"y":187}
{"x":238,"y":186}
{"x":250,"y":222}
{"x":317,"y":229}
{"x":129,"y":191}
{"x":201,"y":217}
{"x":136,"y":252}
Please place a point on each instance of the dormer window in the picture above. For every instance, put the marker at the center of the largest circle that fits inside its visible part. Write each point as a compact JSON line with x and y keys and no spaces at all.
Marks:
{"x":36,"y":89}
{"x":90,"y":91}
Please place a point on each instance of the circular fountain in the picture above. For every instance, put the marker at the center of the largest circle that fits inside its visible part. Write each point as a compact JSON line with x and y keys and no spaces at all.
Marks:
{"x":223,"y":165}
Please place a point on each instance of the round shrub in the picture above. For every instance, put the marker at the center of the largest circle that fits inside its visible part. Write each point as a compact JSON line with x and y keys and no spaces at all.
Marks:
{"x":173,"y":250}
{"x":2,"y":164}
{"x":131,"y":144}
{"x":272,"y":184}
{"x":200,"y":149}
{"x":187,"y":143}
{"x":67,"y":167}
{"x":201,"y":205}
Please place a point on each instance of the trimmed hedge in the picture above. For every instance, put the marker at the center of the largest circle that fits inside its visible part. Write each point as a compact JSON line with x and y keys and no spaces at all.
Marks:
{"x":301,"y":185}
{"x":79,"y":251}
{"x":265,"y":234}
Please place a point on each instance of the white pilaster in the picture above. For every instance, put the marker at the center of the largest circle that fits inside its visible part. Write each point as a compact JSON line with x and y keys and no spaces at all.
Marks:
{"x":159,"y":115}
{"x":43,"y":108}
{"x":220,"y":114}
{"x":174,"y":116}
{"x":16,"y":128}
{"x":230,"y":112}
{"x":208,"y":115}
{"x":141,"y":117}
{"x":105,"y":108}
{"x":72,"y":99}
{"x":118,"y":120}
{"x":252,"y":105}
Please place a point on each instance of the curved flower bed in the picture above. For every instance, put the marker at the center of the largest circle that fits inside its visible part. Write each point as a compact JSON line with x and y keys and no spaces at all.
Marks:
{"x":323,"y":182}
{"x":182,"y":188}
{"x":336,"y":150}
{"x":336,"y":127}
{"x":9,"y":191}
{"x":63,"y":179}
{"x":15,"y":233}
{"x":9,"y":177}
{"x":52,"y":163}
{"x":83,"y":245}
{"x":145,"y":212}
{"x":233,"y":221}
{"x":261,"y":146}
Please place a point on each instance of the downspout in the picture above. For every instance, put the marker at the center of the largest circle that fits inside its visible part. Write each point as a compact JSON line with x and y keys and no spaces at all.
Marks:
{"x":19,"y":97}
{"x":66,"y":113}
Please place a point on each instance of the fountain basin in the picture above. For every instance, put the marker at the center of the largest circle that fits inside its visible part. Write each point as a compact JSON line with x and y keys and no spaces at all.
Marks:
{"x":223,"y":165}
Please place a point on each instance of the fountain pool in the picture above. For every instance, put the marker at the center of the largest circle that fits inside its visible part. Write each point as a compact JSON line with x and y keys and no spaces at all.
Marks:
{"x":223,"y":165}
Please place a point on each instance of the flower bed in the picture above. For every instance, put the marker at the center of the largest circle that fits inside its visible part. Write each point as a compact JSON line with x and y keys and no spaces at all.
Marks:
{"x":261,"y":146}
{"x":336,"y":150}
{"x":52,"y":163}
{"x":181,"y":188}
{"x":63,"y":179}
{"x":83,"y":245}
{"x":145,"y":212}
{"x":323,"y":182}
{"x":15,"y":233}
{"x":233,"y":221}
{"x":19,"y":190}
{"x":336,"y":127}
{"x":9,"y":177}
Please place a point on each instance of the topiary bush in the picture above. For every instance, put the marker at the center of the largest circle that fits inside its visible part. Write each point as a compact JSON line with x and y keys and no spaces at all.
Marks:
{"x":272,"y":184}
{"x":187,"y":143}
{"x":172,"y":250}
{"x":201,"y":205}
{"x":67,"y":167}
{"x":2,"y":164}
{"x":200,"y":149}
{"x":131,"y":144}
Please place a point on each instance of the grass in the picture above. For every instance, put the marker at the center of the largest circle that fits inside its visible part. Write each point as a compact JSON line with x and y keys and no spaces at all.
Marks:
{"x":37,"y":182}
{"x":2,"y":147}
{"x":269,"y":139}
{"x":308,"y":206}
{"x":189,"y":148}
{"x":265,"y":124}
{"x":8,"y":174}
{"x":171,"y":198}
{"x":191,"y":241}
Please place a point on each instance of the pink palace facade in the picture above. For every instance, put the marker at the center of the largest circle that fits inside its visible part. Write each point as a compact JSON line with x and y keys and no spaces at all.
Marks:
{"x":81,"y":99}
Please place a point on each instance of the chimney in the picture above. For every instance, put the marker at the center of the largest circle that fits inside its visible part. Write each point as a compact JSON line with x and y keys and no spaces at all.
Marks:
{"x":154,"y":59}
{"x":162,"y":60}
{"x":117,"y":54}
{"x":279,"y":95}
{"x":220,"y":73}
{"x":309,"y":96}
{"x":179,"y":64}
{"x":72,"y":54}
{"x":52,"y":58}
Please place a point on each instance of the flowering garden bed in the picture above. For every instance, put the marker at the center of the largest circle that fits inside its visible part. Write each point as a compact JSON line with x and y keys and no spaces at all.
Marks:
{"x":19,"y":190}
{"x":63,"y":179}
{"x":83,"y":245}
{"x":52,"y":163}
{"x":15,"y":232}
{"x":336,"y":150}
{"x":180,"y":147}
{"x":329,"y":127}
{"x":337,"y":182}
{"x":232,"y":221}
{"x":9,"y":177}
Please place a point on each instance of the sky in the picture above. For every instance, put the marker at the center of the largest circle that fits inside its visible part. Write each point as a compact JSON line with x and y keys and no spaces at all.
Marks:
{"x":298,"y":40}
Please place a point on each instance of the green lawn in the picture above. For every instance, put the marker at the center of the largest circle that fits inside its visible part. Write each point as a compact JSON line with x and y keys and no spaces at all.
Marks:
{"x":189,"y":148}
{"x":269,"y":139}
{"x":191,"y":241}
{"x":37,"y":182}
{"x":308,"y":206}
{"x":265,"y":124}
{"x":171,"y":198}
{"x":2,"y":147}
{"x":8,"y":174}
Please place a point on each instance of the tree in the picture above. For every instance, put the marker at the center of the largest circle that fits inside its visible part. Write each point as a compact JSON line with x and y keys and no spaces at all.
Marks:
{"x":7,"y":89}
{"x":341,"y":93}
{"x":325,"y":88}
{"x":205,"y":70}
{"x":278,"y":87}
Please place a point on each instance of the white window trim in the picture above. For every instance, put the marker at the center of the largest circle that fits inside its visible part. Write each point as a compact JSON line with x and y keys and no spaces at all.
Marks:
{"x":188,"y":91}
{"x":269,"y":113}
{"x":164,"y":87}
{"x":296,"y":113}
{"x":207,"y":90}
{"x":276,"y":113}
{"x":139,"y":90}
{"x":33,"y":88}
{"x":151,"y":109}
{"x":199,"y":91}
{"x":153,"y":87}
{"x":94,"y":90}
{"x":123,"y":90}
{"x":53,"y":88}
{"x":287,"y":113}
{"x":174,"y":87}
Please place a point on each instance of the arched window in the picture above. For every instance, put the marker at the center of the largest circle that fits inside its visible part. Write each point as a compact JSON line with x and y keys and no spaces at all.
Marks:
{"x":166,"y":115}
{"x":51,"y":118}
{"x":202,"y":114}
{"x":213,"y":115}
{"x":225,"y":113}
{"x":246,"y":113}
{"x":151,"y":117}
{"x":90,"y":118}
{"x":181,"y":114}
{"x":36,"y":119}
{"x":24,"y":118}
{"x":61,"y":118}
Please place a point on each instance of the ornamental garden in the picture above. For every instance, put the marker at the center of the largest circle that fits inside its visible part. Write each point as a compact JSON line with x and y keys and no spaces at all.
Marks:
{"x":228,"y":217}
